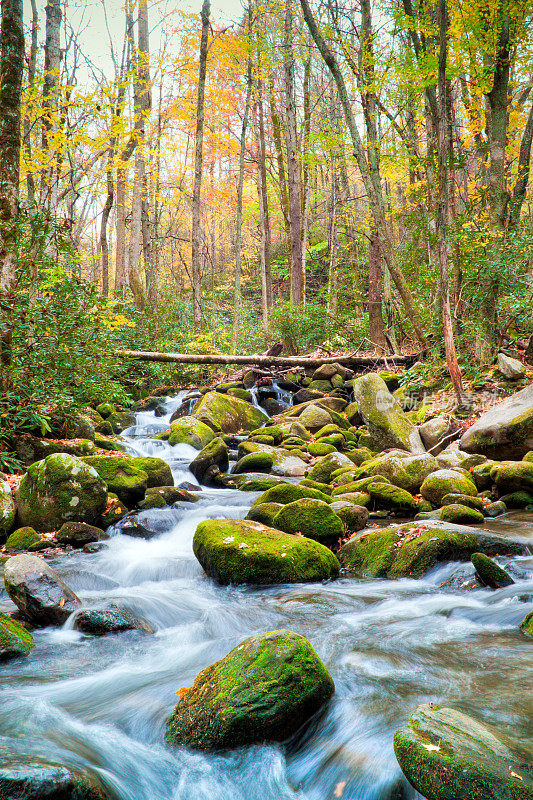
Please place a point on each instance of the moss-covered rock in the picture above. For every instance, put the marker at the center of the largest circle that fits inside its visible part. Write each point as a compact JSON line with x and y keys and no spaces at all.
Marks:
{"x":262,"y":691}
{"x":59,"y":489}
{"x":70,"y":424}
{"x":241,"y":551}
{"x":274,"y":431}
{"x":252,"y":482}
{"x":122,"y":477}
{"x":489,"y":573}
{"x":517,"y":499}
{"x":15,"y":640}
{"x":105,"y":409}
{"x":464,"y":500}
{"x":461,"y":514}
{"x":320,"y":487}
{"x":513,"y":476}
{"x":337,"y":440}
{"x":527,"y":624}
{"x":318,"y":449}
{"x":447,"y":755}
{"x":114,"y":512}
{"x":38,"y":780}
{"x":505,"y":431}
{"x":412,"y":549}
{"x":289,"y":492}
{"x":210,"y":461}
{"x":115,"y":443}
{"x":32,"y":448}
{"x":254,"y":462}
{"x":390,"y":497}
{"x":320,"y":386}
{"x":312,"y":518}
{"x":446,"y":481}
{"x":78,"y":534}
{"x":284,"y":462}
{"x":325,"y":466}
{"x":161,"y":496}
{"x":383,"y":416}
{"x":158,"y":471}
{"x":7,"y":510}
{"x":313,"y":417}
{"x":227,"y":414}
{"x":402,"y":469}
{"x":22,"y":539}
{"x":355,"y":498}
{"x":192,"y":431}
{"x":495,"y":509}
{"x":481,"y":475}
{"x":120,"y":420}
{"x":353,"y":517}
{"x":265,"y":513}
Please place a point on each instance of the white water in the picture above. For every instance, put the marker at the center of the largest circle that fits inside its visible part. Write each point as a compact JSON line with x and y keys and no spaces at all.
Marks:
{"x":101,"y":702}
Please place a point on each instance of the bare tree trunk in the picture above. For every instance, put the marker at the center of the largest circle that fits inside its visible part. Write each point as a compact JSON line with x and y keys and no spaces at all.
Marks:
{"x":196,"y":234}
{"x":373,"y":188}
{"x":305,"y":167}
{"x":11,"y":71}
{"x":238,"y":222}
{"x":442,"y":205}
{"x":293,"y":166}
{"x":104,"y":246}
{"x":264,"y":214}
{"x":32,"y":65}
{"x":282,"y":180}
{"x":52,"y":62}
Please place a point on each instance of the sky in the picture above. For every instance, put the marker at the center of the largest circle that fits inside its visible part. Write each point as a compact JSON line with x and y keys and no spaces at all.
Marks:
{"x":89,"y":18}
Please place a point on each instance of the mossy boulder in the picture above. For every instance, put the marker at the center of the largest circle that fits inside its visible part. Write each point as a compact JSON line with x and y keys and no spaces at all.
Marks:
{"x":320,"y":487}
{"x":252,"y":482}
{"x":22,"y":538}
{"x":289,"y":492}
{"x":254,"y":462}
{"x":481,"y":475}
{"x":527,"y":624}
{"x":191,"y":431}
{"x":263,"y":690}
{"x":412,"y":549}
{"x":284,"y":462}
{"x":317,"y":449}
{"x":383,"y":416}
{"x":120,"y":420}
{"x":161,"y":496}
{"x":70,"y":424}
{"x":210,"y":461}
{"x":158,"y":471}
{"x":242,"y":551}
{"x":114,"y":512}
{"x":78,"y":534}
{"x":464,"y":500}
{"x":38,"y":591}
{"x":355,"y":498}
{"x":390,"y":497}
{"x":15,"y":640}
{"x":461,"y":514}
{"x":402,"y":469}
{"x":105,"y":409}
{"x":517,"y":499}
{"x":122,"y":477}
{"x":325,"y":466}
{"x":312,"y":518}
{"x":313,"y":417}
{"x":38,"y":780}
{"x":7,"y":510}
{"x":512,"y":476}
{"x":273,"y":431}
{"x":505,"y":431}
{"x":227,"y":414}
{"x":59,"y":489}
{"x":446,"y":481}
{"x":490,"y":573}
{"x":32,"y":448}
{"x":447,"y":755}
{"x":115,"y":443}
{"x":353,"y":517}
{"x":265,"y":513}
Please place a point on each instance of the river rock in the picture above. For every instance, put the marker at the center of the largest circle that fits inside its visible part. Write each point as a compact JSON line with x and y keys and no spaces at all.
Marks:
{"x":254,"y":462}
{"x":210,"y":461}
{"x":30,"y":780}
{"x":161,"y":496}
{"x":227,"y":414}
{"x":158,"y":471}
{"x":38,"y":591}
{"x":432,"y":431}
{"x":70,"y":424}
{"x":353,"y":517}
{"x":505,"y":431}
{"x":284,"y":463}
{"x":59,"y":489}
{"x":527,"y":624}
{"x":32,"y":448}
{"x":390,"y":497}
{"x":264,"y":690}
{"x":289,"y":492}
{"x":489,"y":573}
{"x":78,"y":534}
{"x":311,"y":518}
{"x":113,"y":619}
{"x":324,"y":467}
{"x":402,"y":469}
{"x":15,"y":640}
{"x":242,"y":551}
{"x":264,"y":513}
{"x":383,"y":416}
{"x":461,"y":514}
{"x":513,"y":476}
{"x":22,"y":539}
{"x":412,"y":549}
{"x":7,"y":510}
{"x":447,"y":755}
{"x":313,"y":417}
{"x":191,"y":431}
{"x":446,"y":481}
{"x":510,"y":368}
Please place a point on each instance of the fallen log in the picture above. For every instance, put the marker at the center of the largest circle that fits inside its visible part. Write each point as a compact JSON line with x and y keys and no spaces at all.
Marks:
{"x":351,"y":360}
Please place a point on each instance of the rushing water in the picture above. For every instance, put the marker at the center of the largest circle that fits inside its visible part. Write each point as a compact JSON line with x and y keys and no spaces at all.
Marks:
{"x":101,"y":702}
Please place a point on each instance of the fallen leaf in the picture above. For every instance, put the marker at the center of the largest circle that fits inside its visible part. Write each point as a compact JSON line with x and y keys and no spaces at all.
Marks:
{"x":515,"y":775}
{"x":62,"y":602}
{"x":339,"y":789}
{"x":183,"y":691}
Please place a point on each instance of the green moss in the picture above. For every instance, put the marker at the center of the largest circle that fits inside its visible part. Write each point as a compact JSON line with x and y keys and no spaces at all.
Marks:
{"x":269,"y":430}
{"x":311,"y":518}
{"x":512,"y":476}
{"x":527,"y":624}
{"x":228,"y":414}
{"x":158,"y":471}
{"x":517,"y":499}
{"x":489,"y":572}
{"x":22,"y":539}
{"x":288,"y":492}
{"x":320,"y":487}
{"x":446,"y":481}
{"x":264,"y":512}
{"x":7,"y":509}
{"x":241,"y":551}
{"x":383,"y":416}
{"x":121,"y":475}
{"x":357,"y":498}
{"x":106,"y":409}
{"x":14,"y":639}
{"x":461,"y":514}
{"x":191,"y":431}
{"x":320,"y":449}
{"x":385,"y":495}
{"x":325,"y":466}
{"x":263,"y":690}
{"x":254,"y":462}
{"x":464,"y":500}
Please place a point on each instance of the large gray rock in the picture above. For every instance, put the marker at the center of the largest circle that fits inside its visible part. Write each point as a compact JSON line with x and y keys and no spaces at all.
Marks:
{"x":432,"y":431}
{"x":447,"y":755}
{"x":30,"y":780}
{"x":510,"y":368}
{"x":505,"y":431}
{"x":382,"y":415}
{"x":113,"y":619}
{"x":38,"y":591}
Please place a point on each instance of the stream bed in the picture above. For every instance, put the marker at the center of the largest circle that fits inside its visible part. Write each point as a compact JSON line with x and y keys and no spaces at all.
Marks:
{"x":101,"y":703}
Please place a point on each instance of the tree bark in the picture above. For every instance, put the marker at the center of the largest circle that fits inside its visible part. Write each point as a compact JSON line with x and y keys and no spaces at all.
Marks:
{"x":52,"y":62}
{"x":264,"y":213}
{"x":32,"y":66}
{"x":268,"y":361}
{"x":282,"y":180}
{"x":11,"y":71}
{"x":196,"y":233}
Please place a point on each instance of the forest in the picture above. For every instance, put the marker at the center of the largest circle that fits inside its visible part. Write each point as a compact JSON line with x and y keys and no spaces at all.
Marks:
{"x":266,"y":400}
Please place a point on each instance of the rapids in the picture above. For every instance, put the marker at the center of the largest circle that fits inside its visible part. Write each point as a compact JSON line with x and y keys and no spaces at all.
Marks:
{"x":101,"y":702}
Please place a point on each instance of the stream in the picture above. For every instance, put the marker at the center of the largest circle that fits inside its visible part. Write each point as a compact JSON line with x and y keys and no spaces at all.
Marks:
{"x":101,"y":703}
